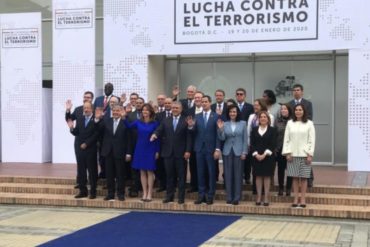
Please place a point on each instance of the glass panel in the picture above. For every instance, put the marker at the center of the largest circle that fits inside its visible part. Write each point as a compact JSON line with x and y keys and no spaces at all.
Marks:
{"x":318,"y":81}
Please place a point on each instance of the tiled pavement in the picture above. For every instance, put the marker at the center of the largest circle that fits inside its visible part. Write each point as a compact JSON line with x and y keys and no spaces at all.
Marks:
{"x":30,"y":226}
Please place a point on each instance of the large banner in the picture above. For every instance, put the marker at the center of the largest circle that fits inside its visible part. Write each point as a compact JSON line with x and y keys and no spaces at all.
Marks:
{"x":21,"y":88}
{"x":216,"y":21}
{"x":73,"y":66}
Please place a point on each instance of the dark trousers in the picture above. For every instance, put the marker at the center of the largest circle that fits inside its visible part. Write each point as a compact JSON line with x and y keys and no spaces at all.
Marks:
{"x":135,"y":176}
{"x":101,"y":160}
{"x":160,"y":173}
{"x":248,"y":168}
{"x":282,"y":165}
{"x":193,"y":171}
{"x":86,"y":161}
{"x":115,"y":172}
{"x":175,"y":169}
{"x":205,"y":162}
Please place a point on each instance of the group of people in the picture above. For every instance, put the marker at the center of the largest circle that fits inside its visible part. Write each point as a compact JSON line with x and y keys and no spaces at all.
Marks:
{"x":147,"y":142}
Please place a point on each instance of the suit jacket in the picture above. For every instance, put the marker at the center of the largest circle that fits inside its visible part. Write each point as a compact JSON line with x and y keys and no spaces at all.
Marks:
{"x":160,"y":116}
{"x":119,"y":143}
{"x":307,"y":104}
{"x":174,"y":143}
{"x":99,"y":102}
{"x":260,"y":143}
{"x":78,"y":112}
{"x":88,"y":134}
{"x":246,"y":111}
{"x":206,"y":135}
{"x":224,"y":110}
{"x":236,"y":140}
{"x":185,"y":107}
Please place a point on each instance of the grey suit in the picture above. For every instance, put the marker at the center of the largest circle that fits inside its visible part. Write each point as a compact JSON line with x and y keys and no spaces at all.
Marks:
{"x":235,"y":145}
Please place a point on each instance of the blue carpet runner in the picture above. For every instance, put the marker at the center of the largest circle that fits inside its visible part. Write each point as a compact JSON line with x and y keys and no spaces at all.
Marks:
{"x":148,"y":229}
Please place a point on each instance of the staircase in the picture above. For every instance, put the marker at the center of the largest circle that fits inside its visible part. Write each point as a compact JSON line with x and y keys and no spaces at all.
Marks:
{"x":322,"y":201}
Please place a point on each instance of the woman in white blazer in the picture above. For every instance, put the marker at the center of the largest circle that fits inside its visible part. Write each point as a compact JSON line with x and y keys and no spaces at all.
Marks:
{"x":298,"y":147}
{"x":234,"y":134}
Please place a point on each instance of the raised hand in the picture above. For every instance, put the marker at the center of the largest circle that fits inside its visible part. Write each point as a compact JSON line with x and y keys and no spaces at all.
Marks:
{"x":175,"y":91}
{"x":68,"y":105}
{"x":220,"y":124}
{"x":99,"y":112}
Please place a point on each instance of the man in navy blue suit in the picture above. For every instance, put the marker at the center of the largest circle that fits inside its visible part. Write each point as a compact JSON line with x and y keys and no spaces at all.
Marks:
{"x":207,"y":148}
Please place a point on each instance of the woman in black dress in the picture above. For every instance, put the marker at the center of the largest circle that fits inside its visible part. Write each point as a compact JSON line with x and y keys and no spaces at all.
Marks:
{"x":263,"y":144}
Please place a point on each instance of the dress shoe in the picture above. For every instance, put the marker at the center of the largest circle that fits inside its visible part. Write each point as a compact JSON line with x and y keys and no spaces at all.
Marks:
{"x":92,"y":196}
{"x":229,"y":202}
{"x":80,"y":195}
{"x":258,"y":203}
{"x":76,"y":186}
{"x":281,"y":192}
{"x":109,"y":198}
{"x":254,"y":192}
{"x":200,"y":200}
{"x":294,"y":205}
{"x":147,"y":200}
{"x":302,"y":205}
{"x":266,"y":204}
{"x":167,"y":200}
{"x":181,"y":201}
{"x":160,"y":190}
{"x":235,"y":203}
{"x":209,"y":201}
{"x":121,"y":197}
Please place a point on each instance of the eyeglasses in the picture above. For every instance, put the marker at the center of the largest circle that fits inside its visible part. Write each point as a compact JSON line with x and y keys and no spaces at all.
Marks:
{"x":239,"y":93}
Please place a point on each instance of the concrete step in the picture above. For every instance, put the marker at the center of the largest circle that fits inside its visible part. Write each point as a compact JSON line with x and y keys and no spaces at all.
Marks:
{"x":312,"y":210}
{"x":322,"y":189}
{"x":312,"y":198}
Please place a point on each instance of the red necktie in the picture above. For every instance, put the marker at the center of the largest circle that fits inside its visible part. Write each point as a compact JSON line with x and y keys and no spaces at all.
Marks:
{"x":105,"y":102}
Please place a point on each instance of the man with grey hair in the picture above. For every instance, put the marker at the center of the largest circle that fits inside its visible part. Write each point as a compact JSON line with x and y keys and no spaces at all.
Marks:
{"x":189,"y":101}
{"x":116,"y":148}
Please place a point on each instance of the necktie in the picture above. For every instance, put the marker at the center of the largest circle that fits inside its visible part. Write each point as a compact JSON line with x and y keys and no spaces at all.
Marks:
{"x":175,"y":120}
{"x":86,"y":121}
{"x":205,"y":118}
{"x":160,"y":109}
{"x":297,"y":102}
{"x":105,"y":102}
{"x":219,"y":106}
{"x":115,"y":125}
{"x":255,"y":121}
{"x":240,"y":106}
{"x":138,"y":115}
{"x":189,"y":103}
{"x":168,"y":114}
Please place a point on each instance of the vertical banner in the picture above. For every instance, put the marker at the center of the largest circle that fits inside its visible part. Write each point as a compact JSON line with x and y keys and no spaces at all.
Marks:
{"x":21,"y":88}
{"x":359,"y":110}
{"x":126,"y":69}
{"x":73,"y":66}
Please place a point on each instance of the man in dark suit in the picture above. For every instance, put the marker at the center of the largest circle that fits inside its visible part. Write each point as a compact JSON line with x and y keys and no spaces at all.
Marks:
{"x":207,"y":148}
{"x":78,"y":112}
{"x":220,"y":106}
{"x":246,"y":109}
{"x":86,"y":134}
{"x":116,"y":149}
{"x":175,"y":149}
{"x":135,"y":174}
{"x":298,"y":99}
{"x":195,"y":109}
{"x":189,"y":101}
{"x":163,"y":113}
{"x":103,"y":102}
